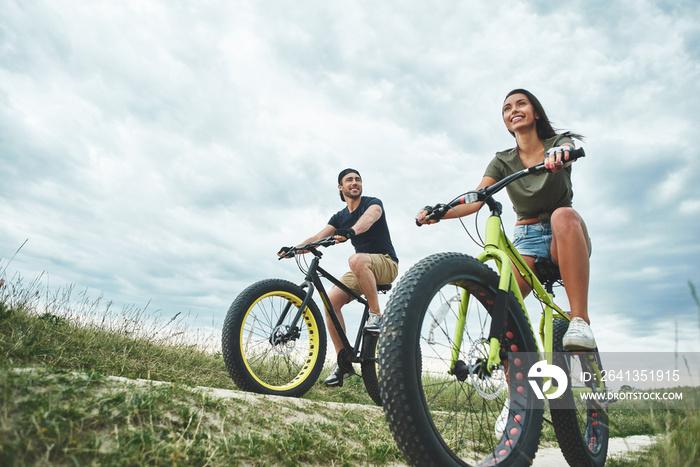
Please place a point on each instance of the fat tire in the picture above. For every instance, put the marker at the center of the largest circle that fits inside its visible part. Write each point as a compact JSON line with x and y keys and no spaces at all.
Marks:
{"x":369,"y":367}
{"x":581,"y":448}
{"x":412,"y":422}
{"x":291,"y":377}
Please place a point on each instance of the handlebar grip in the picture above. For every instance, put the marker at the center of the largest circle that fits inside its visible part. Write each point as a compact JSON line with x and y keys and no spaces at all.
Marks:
{"x":576,"y":154}
{"x":573,"y":155}
{"x":434,"y":212}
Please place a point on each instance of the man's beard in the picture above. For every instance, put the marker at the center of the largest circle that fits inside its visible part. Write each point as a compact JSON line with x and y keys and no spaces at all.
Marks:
{"x":351,"y":196}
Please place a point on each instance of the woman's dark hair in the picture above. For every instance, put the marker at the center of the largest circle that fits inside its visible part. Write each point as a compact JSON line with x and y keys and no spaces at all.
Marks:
{"x":542,"y":125}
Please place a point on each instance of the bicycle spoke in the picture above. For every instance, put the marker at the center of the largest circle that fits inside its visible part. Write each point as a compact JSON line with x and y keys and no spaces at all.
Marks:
{"x":264,"y":356}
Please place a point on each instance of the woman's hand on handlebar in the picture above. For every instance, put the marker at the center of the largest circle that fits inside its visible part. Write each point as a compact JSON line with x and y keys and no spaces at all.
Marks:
{"x":286,"y":252}
{"x":431,"y":215}
{"x":420,"y":218}
{"x":555,"y":157}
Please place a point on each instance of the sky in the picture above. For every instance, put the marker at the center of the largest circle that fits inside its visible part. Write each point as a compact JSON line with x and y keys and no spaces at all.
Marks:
{"x":159,"y":153}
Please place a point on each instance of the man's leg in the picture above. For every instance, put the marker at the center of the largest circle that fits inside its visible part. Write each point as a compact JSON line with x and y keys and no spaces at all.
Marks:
{"x":361,"y":266}
{"x":338,"y":300}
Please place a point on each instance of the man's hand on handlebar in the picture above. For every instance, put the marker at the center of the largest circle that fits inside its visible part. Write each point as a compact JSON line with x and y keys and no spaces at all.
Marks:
{"x":342,"y":235}
{"x":291,"y":251}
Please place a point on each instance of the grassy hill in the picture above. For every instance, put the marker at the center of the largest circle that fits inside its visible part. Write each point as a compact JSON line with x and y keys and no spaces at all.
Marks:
{"x":61,"y":405}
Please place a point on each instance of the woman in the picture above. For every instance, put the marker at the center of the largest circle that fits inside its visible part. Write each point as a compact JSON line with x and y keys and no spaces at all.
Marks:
{"x":547,"y":226}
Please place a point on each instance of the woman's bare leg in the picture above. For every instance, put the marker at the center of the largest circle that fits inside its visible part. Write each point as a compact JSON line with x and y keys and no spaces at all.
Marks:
{"x":571,"y":248}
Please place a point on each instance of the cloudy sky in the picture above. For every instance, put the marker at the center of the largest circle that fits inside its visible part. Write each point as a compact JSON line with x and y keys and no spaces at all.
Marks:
{"x":161,"y":152}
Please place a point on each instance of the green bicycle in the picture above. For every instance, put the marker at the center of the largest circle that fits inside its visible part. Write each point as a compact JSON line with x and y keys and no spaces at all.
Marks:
{"x":457,"y":345}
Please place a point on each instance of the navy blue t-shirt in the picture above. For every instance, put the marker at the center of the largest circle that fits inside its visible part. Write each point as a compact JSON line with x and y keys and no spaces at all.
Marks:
{"x":376,"y":239}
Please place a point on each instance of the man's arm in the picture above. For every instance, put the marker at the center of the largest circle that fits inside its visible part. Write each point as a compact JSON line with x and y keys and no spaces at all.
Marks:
{"x":371,"y":215}
{"x":327,"y":231}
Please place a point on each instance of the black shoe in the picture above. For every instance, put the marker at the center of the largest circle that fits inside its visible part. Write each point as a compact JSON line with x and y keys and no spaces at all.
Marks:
{"x":336,"y":377}
{"x":374,"y":323}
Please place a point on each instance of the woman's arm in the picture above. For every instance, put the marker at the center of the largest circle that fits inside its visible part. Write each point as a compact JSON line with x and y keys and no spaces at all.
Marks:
{"x":461,"y":210}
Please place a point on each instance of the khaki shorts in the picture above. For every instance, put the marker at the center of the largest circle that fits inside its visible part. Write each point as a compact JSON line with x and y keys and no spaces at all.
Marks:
{"x":384,"y":268}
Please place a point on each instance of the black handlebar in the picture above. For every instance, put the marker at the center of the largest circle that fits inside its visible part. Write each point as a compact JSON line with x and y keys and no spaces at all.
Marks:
{"x":573,"y":155}
{"x":311,"y":247}
{"x":485,"y":193}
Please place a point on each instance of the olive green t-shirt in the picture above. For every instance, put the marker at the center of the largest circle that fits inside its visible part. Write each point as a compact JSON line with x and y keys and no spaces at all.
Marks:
{"x":538,"y":195}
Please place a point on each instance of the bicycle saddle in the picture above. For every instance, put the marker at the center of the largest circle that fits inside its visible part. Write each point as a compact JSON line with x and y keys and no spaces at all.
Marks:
{"x":547,"y":272}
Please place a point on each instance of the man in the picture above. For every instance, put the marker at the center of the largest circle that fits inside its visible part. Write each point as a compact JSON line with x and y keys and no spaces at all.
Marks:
{"x":363,"y":222}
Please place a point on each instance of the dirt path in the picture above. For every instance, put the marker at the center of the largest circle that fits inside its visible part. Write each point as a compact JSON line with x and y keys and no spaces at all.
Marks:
{"x":546,"y":457}
{"x":617,"y":447}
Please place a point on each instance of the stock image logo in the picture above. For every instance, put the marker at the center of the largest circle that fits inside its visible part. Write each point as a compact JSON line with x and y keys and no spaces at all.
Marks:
{"x":542,"y":369}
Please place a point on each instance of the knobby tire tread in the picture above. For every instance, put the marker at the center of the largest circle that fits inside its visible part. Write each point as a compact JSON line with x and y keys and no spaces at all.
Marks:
{"x":405,"y":410}
{"x":369,"y":368}
{"x":566,"y":425}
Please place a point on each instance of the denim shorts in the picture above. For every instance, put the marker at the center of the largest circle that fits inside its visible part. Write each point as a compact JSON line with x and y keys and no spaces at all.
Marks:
{"x":534,"y":240}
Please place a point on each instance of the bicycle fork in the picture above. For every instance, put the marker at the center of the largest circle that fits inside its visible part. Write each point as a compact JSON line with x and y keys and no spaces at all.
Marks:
{"x":494,"y":249}
{"x":278,"y":335}
{"x":506,"y":284}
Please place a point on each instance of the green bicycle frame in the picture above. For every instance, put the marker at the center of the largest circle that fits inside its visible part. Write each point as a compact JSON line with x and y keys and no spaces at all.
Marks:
{"x":498,"y":248}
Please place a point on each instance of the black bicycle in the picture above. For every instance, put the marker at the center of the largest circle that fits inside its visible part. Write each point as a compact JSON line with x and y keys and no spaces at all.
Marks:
{"x":274,"y":338}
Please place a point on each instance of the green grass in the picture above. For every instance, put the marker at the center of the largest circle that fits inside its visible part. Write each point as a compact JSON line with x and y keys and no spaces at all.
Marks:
{"x":59,"y":407}
{"x":52,"y":417}
{"x":679,"y":443}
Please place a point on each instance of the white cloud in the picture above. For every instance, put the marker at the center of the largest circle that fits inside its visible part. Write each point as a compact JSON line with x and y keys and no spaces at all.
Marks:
{"x":164,"y":151}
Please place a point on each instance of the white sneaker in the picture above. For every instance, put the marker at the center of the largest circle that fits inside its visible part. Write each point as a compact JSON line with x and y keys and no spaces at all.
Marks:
{"x":502,"y":420}
{"x":579,"y":336}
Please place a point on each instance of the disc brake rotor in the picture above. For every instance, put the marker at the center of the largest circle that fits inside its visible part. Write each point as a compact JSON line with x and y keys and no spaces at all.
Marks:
{"x":281,"y":341}
{"x":488,"y":384}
